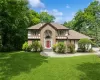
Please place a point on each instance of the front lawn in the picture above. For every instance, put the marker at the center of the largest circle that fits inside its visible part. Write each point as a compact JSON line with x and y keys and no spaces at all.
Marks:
{"x":32,"y":66}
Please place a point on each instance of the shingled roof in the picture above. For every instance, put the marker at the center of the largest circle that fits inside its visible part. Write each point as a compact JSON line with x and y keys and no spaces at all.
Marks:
{"x":76,"y":35}
{"x":54,"y":25}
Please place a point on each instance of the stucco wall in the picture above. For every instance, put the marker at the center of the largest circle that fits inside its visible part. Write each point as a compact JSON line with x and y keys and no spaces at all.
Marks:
{"x":48,"y":27}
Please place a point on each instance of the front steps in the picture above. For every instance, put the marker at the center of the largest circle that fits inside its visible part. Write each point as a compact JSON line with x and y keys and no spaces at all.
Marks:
{"x":47,"y":50}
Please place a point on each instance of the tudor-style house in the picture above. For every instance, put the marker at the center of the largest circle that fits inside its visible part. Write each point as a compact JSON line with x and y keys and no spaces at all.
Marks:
{"x":51,"y":33}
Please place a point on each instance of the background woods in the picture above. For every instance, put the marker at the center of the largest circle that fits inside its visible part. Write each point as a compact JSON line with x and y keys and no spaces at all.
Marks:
{"x":16,"y":16}
{"x":87,"y":21}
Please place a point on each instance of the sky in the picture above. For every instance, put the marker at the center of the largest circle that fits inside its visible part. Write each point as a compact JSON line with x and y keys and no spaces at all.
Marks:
{"x":63,"y":10}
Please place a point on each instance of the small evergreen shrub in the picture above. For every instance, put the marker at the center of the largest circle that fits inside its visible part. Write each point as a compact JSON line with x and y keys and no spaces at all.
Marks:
{"x":71,"y":48}
{"x":41,"y":48}
{"x":55,"y":47}
{"x":29,"y":48}
{"x":36,"y":47}
{"x":61,"y":48}
{"x":25,"y":46}
{"x":91,"y":50}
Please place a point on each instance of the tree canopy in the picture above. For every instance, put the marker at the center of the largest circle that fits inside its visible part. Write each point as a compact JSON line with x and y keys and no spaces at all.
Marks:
{"x":46,"y":18}
{"x":87,"y":21}
{"x":15,"y":18}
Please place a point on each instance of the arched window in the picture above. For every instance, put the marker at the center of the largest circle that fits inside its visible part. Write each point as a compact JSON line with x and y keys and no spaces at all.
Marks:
{"x":48,"y":34}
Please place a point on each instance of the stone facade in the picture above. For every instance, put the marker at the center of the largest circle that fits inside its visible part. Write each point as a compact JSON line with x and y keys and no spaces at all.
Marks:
{"x":53,"y":37}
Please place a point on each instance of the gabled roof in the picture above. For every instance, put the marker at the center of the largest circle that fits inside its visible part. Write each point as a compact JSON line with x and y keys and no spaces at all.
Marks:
{"x":76,"y":35}
{"x":72,"y":34}
{"x":54,"y":25}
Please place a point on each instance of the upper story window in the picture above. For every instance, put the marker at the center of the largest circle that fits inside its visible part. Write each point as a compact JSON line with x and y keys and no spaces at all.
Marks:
{"x":33,"y":33}
{"x":36,"y":32}
{"x":48,"y":34}
{"x":61,"y":32}
{"x":29,"y":33}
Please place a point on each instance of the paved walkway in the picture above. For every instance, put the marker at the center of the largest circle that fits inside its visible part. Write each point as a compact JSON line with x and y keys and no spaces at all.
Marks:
{"x":52,"y":54}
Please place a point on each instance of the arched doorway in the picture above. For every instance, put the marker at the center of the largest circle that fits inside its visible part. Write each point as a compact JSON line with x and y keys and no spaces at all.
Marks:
{"x":48,"y":39}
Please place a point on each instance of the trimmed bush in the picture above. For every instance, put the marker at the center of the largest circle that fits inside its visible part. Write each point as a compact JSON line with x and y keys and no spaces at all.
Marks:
{"x":55,"y":47}
{"x":29,"y":48}
{"x":71,"y":48}
{"x":59,"y":48}
{"x":25,"y":46}
{"x":84,"y":44}
{"x":41,"y":48}
{"x":37,"y":47}
{"x":91,"y":50}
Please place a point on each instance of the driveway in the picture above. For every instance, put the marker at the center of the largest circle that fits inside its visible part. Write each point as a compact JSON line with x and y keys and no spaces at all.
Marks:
{"x":97,"y":51}
{"x":52,"y":54}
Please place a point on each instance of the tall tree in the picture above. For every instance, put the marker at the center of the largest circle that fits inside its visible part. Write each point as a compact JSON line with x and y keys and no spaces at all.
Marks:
{"x":13,"y":22}
{"x":69,"y":24}
{"x":88,"y":21}
{"x":34,"y":17}
{"x":46,"y":18}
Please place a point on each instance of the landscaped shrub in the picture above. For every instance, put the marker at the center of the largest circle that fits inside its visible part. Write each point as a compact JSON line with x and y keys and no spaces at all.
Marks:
{"x":25,"y":46}
{"x":84,"y":44}
{"x":71,"y":48}
{"x":29,"y":48}
{"x":91,"y":50}
{"x":55,"y":47}
{"x":41,"y":48}
{"x":61,"y":48}
{"x":37,"y":47}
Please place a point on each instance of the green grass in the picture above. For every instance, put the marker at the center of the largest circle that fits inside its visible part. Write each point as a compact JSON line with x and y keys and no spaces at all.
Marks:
{"x":32,"y":66}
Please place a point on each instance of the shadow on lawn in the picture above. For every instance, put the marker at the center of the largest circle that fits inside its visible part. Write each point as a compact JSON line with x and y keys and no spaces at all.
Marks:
{"x":15,"y":63}
{"x":91,"y":71}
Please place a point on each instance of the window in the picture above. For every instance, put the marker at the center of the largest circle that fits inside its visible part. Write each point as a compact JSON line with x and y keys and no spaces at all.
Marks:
{"x":29,"y":33}
{"x":35,"y":32}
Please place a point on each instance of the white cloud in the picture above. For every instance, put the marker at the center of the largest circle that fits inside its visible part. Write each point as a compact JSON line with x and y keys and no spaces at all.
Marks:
{"x":36,"y":3}
{"x":58,"y":19}
{"x":73,"y":13}
{"x":44,"y":10}
{"x":67,"y":6}
{"x":55,"y":12}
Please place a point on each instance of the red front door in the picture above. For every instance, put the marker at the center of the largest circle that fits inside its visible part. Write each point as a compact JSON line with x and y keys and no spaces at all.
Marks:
{"x":48,"y":44}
